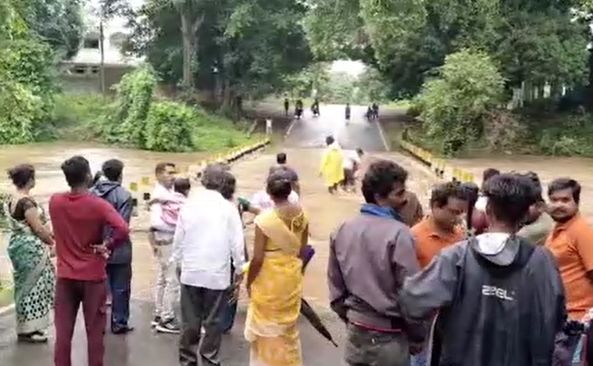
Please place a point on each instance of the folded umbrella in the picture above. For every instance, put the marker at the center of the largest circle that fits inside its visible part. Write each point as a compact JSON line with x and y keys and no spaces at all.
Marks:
{"x":306,"y":309}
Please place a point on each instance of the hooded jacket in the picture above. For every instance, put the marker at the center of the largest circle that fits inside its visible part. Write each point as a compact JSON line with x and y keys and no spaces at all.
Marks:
{"x":121,"y":200}
{"x":497,"y":307}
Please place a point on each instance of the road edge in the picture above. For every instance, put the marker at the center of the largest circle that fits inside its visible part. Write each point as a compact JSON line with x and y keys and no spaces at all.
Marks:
{"x":386,"y":144}
{"x":290,"y":127}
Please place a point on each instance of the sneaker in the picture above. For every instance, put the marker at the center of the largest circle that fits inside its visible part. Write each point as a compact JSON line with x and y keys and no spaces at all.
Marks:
{"x":170,"y":326}
{"x":155,"y":321}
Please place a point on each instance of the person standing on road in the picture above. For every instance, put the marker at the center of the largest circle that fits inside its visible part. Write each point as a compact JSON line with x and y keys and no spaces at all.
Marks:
{"x":281,"y":162}
{"x":119,"y":265}
{"x":370,"y":256}
{"x":161,"y":240}
{"x":286,"y":106}
{"x":571,"y":243}
{"x":30,"y":244}
{"x":348,"y":113}
{"x":440,"y":230}
{"x":79,"y":220}
{"x":275,"y":279}
{"x":500,"y":298}
{"x":209,"y":232}
{"x":538,"y":224}
{"x":332,"y":165}
{"x":298,"y":109}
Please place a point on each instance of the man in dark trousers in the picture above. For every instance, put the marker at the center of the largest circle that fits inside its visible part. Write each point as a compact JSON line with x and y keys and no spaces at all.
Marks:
{"x":286,"y":106}
{"x":119,"y":265}
{"x":79,"y":220}
{"x":370,"y":256}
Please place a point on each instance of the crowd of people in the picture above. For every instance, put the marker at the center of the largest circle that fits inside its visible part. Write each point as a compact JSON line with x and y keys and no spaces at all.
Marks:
{"x":490,"y":276}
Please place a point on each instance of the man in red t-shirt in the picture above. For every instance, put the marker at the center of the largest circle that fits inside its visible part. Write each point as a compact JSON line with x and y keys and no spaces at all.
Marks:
{"x":79,"y":219}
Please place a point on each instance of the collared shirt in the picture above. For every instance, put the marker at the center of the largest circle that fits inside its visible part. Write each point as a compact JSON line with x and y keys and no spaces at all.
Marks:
{"x":572,"y":245}
{"x":209,"y":233}
{"x":430,"y":241}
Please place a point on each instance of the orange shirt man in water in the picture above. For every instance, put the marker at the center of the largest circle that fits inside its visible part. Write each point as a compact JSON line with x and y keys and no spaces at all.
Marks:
{"x":448,"y":202}
{"x":571,"y":242}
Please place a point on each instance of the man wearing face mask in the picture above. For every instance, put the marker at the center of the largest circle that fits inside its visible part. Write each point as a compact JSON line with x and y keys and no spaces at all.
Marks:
{"x":370,"y":255}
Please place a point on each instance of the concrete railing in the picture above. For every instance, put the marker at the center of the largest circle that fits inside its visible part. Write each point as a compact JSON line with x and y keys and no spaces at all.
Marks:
{"x":440,"y":167}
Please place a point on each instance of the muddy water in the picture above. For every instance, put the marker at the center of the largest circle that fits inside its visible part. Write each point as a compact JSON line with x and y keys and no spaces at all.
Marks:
{"x":548,"y":168}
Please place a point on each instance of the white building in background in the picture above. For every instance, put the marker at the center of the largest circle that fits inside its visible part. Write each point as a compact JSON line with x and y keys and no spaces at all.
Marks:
{"x":82,"y":72}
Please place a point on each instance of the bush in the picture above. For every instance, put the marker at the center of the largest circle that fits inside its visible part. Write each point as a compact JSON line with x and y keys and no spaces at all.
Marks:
{"x":81,"y":116}
{"x":503,"y":131}
{"x":20,"y":110}
{"x":455,"y":104}
{"x":169,"y":127}
{"x":127,"y":125}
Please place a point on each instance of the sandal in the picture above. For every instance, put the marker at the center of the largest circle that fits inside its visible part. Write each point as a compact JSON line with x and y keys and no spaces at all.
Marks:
{"x":35,"y":337}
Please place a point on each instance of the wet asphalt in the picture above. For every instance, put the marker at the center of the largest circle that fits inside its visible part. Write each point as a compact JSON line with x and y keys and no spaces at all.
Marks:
{"x":311,"y":131}
{"x":144,"y":347}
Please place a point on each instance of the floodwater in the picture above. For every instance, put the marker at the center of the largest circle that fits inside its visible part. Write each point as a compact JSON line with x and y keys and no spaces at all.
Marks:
{"x":548,"y":168}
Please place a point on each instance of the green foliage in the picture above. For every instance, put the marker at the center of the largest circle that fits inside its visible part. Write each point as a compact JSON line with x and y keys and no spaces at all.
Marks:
{"x":455,"y":104}
{"x":134,"y":95}
{"x":372,"y":87}
{"x":81,"y":116}
{"x":20,"y":111}
{"x":168,"y":127}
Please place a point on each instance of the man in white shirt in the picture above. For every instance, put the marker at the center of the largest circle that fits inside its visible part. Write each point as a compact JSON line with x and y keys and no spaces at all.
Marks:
{"x":209,"y":232}
{"x":161,"y":239}
{"x":351,"y":164}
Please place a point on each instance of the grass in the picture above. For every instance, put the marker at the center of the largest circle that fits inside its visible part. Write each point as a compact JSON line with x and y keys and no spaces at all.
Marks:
{"x":6,"y":296}
{"x":78,"y":118}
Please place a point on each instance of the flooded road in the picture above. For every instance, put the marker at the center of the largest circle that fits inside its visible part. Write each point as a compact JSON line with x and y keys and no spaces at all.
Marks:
{"x":548,"y":168}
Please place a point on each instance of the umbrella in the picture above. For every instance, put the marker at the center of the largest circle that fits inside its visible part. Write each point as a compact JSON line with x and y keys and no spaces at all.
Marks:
{"x":306,"y":309}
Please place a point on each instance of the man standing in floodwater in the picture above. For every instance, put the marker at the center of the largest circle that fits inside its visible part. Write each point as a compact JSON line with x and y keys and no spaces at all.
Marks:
{"x":79,"y":220}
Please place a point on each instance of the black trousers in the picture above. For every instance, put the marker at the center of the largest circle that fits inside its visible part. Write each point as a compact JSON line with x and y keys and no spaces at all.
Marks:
{"x":201,"y":307}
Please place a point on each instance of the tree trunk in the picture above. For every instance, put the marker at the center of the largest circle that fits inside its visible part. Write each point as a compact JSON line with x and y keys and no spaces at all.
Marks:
{"x":102,"y":62}
{"x":188,"y":51}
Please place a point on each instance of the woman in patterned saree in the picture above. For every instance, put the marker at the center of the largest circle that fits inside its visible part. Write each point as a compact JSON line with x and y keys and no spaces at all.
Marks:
{"x":275,"y":280}
{"x":29,"y":251}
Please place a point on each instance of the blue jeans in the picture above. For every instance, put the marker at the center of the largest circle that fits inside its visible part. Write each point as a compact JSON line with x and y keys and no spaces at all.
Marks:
{"x":119,"y":278}
{"x":420,"y":359}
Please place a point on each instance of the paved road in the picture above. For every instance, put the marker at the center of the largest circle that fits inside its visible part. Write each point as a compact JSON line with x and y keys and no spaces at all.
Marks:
{"x":143,"y":347}
{"x":312,"y":131}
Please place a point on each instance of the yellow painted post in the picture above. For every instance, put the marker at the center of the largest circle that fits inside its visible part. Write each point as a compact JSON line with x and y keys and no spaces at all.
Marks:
{"x":134,"y":187}
{"x":145,"y":181}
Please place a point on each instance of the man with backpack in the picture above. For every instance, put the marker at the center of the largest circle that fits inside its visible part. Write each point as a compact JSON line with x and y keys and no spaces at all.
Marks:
{"x":500,"y":298}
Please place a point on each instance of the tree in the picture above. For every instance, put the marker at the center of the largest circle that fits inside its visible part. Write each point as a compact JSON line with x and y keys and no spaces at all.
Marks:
{"x":455,"y":104}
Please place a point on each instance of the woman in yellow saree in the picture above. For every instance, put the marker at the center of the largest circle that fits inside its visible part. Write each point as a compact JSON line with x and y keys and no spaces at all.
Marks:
{"x":275,"y":280}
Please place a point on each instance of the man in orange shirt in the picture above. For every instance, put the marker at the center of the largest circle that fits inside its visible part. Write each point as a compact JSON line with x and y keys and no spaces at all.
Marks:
{"x":448,"y":202}
{"x":571,"y":242}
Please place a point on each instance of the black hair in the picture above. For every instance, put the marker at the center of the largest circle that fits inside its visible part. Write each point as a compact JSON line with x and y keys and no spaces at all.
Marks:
{"x":160,"y":167}
{"x":561,"y":184}
{"x":441,"y":193}
{"x":489,"y":173}
{"x":182,"y":185}
{"x":21,"y":174}
{"x":329,"y":140}
{"x":379,"y":179}
{"x":278,"y":185}
{"x":537,"y":186}
{"x":359,"y":151}
{"x":472,"y":192}
{"x":113,"y":169}
{"x":281,"y":158}
{"x":509,"y":197}
{"x":98,"y":175}
{"x":213,"y":176}
{"x":77,"y":171}
{"x":228,"y":186}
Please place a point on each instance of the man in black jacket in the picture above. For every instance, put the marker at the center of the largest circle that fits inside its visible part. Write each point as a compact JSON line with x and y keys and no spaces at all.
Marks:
{"x":119,"y":265}
{"x":500,"y":298}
